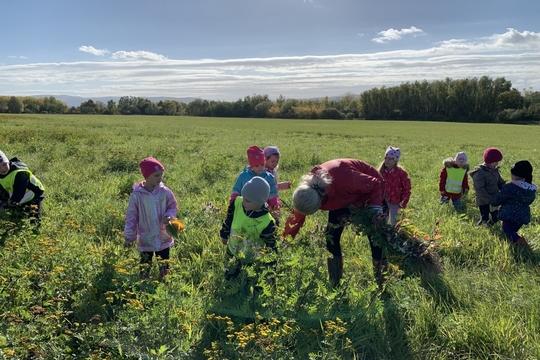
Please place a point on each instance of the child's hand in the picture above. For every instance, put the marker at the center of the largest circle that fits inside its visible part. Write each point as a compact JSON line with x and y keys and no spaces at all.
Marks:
{"x":128,"y":242}
{"x":224,"y":241}
{"x":402,"y":205}
{"x":442,"y":193}
{"x":288,"y":184}
{"x":166,"y":219}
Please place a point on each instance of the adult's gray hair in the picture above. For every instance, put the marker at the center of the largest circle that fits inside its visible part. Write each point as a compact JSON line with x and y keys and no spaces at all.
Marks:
{"x":308,"y":195}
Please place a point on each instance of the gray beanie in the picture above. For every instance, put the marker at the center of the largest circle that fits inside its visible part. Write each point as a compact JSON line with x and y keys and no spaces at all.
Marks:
{"x":3,"y":158}
{"x":256,"y":190}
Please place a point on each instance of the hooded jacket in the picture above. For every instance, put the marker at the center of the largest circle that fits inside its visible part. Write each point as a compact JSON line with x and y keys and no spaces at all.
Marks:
{"x":515,"y":198}
{"x":144,"y":216}
{"x":486,"y":182}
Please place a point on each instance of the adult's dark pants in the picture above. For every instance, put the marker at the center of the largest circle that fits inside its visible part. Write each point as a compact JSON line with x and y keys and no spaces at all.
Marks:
{"x":334,"y":229}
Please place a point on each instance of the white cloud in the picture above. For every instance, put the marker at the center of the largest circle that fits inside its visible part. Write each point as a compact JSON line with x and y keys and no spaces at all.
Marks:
{"x":514,"y":38}
{"x":138,"y":55}
{"x":92,"y":50}
{"x":17,"y":57}
{"x":393,"y":34}
{"x":513,"y":55}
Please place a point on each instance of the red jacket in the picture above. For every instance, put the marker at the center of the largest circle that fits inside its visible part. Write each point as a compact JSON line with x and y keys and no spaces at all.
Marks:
{"x":442,"y":182}
{"x":398,"y":186}
{"x":354,"y":183}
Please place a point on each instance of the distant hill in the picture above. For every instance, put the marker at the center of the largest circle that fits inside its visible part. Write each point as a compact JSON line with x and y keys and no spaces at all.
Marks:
{"x":78,"y":100}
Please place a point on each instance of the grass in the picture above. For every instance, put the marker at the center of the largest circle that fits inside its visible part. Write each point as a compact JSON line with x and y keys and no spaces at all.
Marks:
{"x":73,"y":291}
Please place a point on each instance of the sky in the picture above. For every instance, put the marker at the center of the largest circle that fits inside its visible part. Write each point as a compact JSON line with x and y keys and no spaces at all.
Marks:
{"x":229,"y":49}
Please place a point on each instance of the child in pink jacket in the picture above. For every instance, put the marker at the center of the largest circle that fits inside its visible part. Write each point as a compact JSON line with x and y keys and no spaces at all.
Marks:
{"x":397,"y":183}
{"x":150,"y":208}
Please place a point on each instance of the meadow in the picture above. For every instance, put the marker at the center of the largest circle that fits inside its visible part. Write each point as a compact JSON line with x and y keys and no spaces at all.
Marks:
{"x":73,"y":291}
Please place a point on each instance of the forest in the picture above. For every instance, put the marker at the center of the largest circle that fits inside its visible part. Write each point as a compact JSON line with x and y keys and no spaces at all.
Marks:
{"x":484,"y":100}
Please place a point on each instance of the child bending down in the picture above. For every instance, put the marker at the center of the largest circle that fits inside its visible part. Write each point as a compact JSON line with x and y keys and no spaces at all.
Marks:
{"x":249,"y":227}
{"x":453,"y":180}
{"x":515,"y":199}
{"x":150,"y":208}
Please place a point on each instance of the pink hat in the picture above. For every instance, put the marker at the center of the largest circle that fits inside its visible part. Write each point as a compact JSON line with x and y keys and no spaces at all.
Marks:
{"x":149,"y":166}
{"x":393,"y":153}
{"x":271,"y":150}
{"x":461,"y":158}
{"x":492,"y":155}
{"x":255,"y":156}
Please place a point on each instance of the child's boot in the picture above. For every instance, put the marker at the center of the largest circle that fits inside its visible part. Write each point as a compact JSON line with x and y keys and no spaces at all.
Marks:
{"x":521,"y":242}
{"x":163,"y":273}
{"x":335,"y":269}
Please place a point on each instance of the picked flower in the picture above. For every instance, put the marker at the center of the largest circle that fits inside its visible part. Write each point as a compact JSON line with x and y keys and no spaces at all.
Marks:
{"x":175,"y":227}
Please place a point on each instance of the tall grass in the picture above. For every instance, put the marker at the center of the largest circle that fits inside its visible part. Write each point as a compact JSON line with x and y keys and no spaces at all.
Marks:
{"x":73,"y":291}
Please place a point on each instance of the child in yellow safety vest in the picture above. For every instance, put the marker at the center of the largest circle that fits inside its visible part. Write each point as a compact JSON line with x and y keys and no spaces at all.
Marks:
{"x":21,"y":193}
{"x":249,"y":227}
{"x":453,"y":181}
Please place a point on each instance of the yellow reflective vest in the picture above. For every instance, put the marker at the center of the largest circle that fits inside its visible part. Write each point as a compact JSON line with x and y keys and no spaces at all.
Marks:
{"x":245,"y":240}
{"x":454,"y":180}
{"x":8,"y":183}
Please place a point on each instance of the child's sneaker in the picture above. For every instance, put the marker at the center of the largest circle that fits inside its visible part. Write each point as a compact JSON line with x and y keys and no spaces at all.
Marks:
{"x":444,"y":200}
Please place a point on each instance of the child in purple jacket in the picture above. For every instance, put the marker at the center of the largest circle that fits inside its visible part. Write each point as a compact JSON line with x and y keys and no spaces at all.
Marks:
{"x":150,"y":208}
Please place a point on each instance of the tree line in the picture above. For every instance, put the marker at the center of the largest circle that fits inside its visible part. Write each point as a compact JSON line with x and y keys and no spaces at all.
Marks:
{"x":465,"y":100}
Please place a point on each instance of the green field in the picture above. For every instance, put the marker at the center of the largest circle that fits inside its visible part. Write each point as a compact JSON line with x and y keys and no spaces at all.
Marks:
{"x":73,"y":291}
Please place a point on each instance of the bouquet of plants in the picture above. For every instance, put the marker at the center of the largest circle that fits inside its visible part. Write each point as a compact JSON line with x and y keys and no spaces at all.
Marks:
{"x":175,"y":227}
{"x":404,"y":239}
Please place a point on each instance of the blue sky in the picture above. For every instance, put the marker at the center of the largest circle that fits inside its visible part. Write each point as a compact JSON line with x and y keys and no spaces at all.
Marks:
{"x":228,"y":49}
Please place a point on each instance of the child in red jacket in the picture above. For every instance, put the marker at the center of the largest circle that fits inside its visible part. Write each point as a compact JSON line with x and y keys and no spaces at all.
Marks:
{"x":453,"y":180}
{"x":397,"y":183}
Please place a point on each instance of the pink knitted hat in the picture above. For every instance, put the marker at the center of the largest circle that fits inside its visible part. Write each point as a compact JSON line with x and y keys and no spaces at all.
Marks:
{"x":149,"y":166}
{"x":255,"y":156}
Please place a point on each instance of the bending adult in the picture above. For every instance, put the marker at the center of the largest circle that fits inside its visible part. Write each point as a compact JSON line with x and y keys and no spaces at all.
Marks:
{"x":334,"y":186}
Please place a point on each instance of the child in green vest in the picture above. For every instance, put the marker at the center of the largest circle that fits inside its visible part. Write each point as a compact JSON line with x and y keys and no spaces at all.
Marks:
{"x":453,"y":180}
{"x":249,"y":227}
{"x":21,"y":193}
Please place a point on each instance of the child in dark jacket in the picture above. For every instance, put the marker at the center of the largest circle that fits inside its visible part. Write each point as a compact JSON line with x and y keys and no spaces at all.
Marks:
{"x":487,"y":183}
{"x":515,"y":199}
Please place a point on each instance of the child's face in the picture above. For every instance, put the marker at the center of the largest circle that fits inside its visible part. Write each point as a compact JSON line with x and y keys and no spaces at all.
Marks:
{"x":155,"y":178}
{"x":258,"y":169}
{"x":250,"y":205}
{"x":4,"y":168}
{"x":492,"y":165}
{"x":272,"y":161}
{"x":389,"y":162}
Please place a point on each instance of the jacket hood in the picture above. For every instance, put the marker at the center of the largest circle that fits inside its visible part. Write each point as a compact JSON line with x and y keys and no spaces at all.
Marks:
{"x":525,"y":185}
{"x":139,"y":187}
{"x":448,"y":162}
